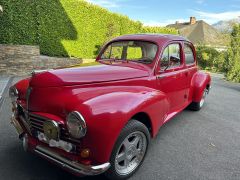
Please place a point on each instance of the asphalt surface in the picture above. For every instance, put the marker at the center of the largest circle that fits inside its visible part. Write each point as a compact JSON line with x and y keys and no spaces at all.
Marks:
{"x":193,"y":145}
{"x":3,"y":83}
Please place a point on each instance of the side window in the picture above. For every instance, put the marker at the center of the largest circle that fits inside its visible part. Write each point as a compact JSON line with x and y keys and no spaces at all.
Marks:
{"x":189,"y":57}
{"x":171,"y":57}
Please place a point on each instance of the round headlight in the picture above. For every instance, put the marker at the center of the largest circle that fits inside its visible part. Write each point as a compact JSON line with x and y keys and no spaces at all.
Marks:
{"x":76,"y":125}
{"x":13,"y":94}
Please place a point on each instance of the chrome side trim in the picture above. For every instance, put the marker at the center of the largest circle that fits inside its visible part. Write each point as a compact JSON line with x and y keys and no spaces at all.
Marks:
{"x":72,"y":166}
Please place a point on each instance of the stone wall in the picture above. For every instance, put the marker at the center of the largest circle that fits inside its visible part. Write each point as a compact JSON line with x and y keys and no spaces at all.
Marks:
{"x":22,"y":60}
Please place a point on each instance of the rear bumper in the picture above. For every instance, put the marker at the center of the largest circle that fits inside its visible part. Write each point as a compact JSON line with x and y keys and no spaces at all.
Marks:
{"x":69,"y":165}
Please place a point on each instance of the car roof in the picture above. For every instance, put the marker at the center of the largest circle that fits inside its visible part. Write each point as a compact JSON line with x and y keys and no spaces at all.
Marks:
{"x":157,"y":38}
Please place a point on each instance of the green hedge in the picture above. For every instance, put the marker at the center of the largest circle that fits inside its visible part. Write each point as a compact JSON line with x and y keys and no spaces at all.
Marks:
{"x":66,"y":27}
{"x":227,"y":62}
{"x":211,"y":59}
{"x":18,"y":22}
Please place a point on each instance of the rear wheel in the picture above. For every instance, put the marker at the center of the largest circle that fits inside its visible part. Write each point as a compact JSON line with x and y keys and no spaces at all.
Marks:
{"x":129,"y":151}
{"x":196,"y":106}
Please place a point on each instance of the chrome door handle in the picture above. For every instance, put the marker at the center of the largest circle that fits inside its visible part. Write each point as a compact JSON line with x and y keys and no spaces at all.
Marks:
{"x":160,"y":77}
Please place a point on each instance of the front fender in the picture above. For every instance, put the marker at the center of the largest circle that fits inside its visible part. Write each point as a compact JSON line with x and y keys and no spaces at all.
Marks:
{"x":22,"y":86}
{"x":106,"y":115}
{"x":199,"y":82}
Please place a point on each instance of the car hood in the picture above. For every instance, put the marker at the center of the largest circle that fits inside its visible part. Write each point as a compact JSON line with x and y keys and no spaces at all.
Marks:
{"x":86,"y":75}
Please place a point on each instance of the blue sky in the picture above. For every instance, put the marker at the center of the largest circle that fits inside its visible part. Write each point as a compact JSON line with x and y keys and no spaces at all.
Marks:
{"x":156,"y":12}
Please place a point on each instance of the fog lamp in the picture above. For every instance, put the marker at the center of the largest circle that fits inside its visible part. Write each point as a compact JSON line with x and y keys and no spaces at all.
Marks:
{"x":85,"y":153}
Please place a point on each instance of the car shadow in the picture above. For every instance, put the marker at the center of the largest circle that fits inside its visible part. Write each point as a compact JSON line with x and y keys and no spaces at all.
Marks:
{"x":36,"y":167}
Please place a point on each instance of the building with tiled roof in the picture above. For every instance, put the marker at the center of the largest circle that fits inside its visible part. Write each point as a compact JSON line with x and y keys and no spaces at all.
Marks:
{"x":199,"y":32}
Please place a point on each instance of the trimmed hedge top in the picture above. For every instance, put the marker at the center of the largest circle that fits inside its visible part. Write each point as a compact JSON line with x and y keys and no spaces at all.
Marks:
{"x":65,"y":27}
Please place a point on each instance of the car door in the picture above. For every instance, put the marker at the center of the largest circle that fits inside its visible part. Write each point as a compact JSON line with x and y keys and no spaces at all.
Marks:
{"x":171,"y":77}
{"x":190,"y":63}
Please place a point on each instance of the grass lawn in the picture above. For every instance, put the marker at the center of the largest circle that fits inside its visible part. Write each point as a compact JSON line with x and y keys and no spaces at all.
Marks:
{"x":89,"y":64}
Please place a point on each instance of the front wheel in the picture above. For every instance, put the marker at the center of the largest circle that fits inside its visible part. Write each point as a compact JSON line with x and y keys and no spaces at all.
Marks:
{"x":196,"y":106}
{"x":129,"y":151}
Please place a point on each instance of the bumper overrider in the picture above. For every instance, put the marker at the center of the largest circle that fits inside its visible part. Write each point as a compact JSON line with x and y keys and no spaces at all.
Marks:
{"x":47,"y":153}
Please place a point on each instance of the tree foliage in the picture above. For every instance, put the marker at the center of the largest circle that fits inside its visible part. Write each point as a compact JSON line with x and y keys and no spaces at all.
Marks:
{"x":211,"y":59}
{"x":65,"y":27}
{"x":233,"y":56}
{"x":227,"y":62}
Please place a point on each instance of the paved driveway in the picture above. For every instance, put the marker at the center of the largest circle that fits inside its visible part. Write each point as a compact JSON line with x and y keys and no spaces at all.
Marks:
{"x":193,"y":145}
{"x":3,"y":83}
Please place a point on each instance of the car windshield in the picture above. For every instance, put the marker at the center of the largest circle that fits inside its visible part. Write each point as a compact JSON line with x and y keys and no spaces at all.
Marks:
{"x":138,"y":51}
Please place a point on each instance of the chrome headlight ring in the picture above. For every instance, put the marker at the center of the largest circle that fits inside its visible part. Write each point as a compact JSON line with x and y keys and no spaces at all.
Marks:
{"x":76,"y":125}
{"x":13,"y":94}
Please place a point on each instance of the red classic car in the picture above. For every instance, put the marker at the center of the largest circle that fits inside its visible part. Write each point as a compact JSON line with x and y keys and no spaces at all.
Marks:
{"x":99,"y":119}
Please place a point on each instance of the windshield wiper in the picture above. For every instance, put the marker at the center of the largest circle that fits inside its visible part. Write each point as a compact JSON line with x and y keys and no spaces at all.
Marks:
{"x":145,"y":61}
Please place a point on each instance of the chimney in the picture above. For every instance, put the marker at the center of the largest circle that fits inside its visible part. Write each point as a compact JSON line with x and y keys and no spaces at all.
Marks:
{"x":193,"y":20}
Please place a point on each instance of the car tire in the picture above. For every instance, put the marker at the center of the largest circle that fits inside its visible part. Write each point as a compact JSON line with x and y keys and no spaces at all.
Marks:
{"x":196,"y":106}
{"x":129,"y":151}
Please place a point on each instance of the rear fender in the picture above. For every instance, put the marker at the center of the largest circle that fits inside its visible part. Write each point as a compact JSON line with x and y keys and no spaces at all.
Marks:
{"x":199,"y":82}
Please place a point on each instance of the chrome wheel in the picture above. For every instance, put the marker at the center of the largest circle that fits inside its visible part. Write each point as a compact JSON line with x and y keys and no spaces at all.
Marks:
{"x":130,"y":153}
{"x":203,"y":97}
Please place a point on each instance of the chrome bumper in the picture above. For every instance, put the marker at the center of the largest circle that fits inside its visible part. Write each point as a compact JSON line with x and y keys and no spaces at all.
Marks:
{"x":65,"y":163}
{"x":69,"y":165}
{"x":16,"y":124}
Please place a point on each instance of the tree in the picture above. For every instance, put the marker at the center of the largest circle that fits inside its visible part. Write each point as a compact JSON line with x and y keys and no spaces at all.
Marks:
{"x":233,"y":56}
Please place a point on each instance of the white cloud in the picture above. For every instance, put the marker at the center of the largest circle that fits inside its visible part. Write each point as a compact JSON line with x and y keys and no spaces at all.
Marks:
{"x":163,"y":23}
{"x":105,"y":3}
{"x":215,"y":17}
{"x":200,"y":1}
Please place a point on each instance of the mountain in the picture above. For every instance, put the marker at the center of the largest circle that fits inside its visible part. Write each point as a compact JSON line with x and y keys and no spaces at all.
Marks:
{"x":226,"y":26}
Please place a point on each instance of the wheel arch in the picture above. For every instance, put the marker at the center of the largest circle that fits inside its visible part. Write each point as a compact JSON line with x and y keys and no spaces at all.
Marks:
{"x":145,"y":119}
{"x":108,"y":121}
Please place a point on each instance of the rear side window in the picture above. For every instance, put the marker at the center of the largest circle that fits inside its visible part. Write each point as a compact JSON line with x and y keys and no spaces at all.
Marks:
{"x":189,"y":57}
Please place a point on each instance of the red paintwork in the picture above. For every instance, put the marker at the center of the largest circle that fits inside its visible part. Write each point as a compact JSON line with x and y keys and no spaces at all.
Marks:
{"x":108,"y":96}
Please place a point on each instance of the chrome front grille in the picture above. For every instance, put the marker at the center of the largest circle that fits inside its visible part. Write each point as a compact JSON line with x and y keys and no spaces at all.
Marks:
{"x":35,"y":124}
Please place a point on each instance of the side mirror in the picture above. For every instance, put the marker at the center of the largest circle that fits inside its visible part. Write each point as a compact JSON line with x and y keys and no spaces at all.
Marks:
{"x":173,"y":60}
